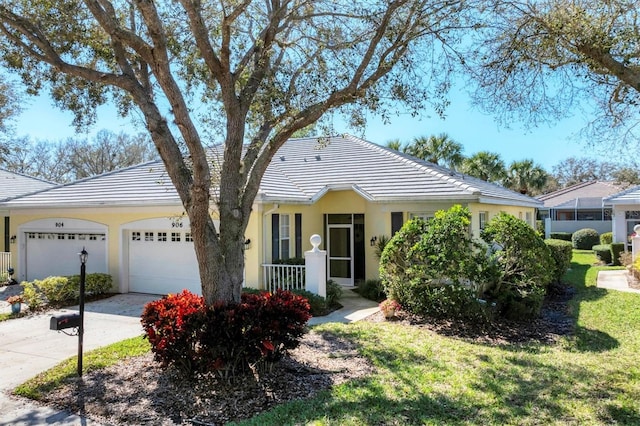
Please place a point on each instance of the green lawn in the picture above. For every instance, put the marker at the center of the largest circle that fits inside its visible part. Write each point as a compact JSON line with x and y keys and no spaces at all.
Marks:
{"x":424,"y":378}
{"x":592,"y":378}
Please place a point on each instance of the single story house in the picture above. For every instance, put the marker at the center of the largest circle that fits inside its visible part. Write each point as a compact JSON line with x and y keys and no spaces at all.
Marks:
{"x":14,"y":184}
{"x":347,"y":190}
{"x":578,"y":206}
{"x":626,"y":213}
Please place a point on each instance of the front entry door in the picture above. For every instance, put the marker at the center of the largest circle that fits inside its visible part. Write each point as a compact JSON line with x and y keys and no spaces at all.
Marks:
{"x":340,"y":253}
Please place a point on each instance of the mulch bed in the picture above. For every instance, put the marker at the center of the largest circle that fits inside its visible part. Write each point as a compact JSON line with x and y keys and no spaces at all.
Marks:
{"x":138,"y":392}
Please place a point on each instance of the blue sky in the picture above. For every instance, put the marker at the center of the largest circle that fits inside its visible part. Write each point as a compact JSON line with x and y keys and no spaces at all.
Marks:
{"x":546,"y":145}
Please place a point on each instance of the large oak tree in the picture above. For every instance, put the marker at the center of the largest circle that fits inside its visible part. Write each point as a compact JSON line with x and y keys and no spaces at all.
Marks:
{"x":246,"y":74}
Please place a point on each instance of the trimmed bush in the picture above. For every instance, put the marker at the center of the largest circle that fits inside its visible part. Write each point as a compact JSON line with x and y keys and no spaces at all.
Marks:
{"x":525,"y":263}
{"x":436,"y":269}
{"x":32,"y":296}
{"x":606,"y":238}
{"x":334,"y":293}
{"x":318,"y":305}
{"x":616,"y":250}
{"x":561,"y":253}
{"x":226,"y":338}
{"x":372,"y":290}
{"x":603,"y":253}
{"x":56,"y":289}
{"x":584,"y":239}
{"x":565,"y":236}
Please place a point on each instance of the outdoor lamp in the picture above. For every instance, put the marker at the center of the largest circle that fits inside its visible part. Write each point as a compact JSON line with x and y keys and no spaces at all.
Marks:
{"x":83,"y":256}
{"x":247,"y":244}
{"x":373,"y":240}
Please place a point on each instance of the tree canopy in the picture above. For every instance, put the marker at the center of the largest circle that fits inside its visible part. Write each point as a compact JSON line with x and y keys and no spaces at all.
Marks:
{"x":77,"y":158}
{"x":541,"y":59}
{"x":233,"y":73}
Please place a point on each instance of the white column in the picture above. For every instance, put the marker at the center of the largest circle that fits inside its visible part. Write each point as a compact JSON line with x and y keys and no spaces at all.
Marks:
{"x":547,"y":228}
{"x":315,"y":261}
{"x":635,"y":243}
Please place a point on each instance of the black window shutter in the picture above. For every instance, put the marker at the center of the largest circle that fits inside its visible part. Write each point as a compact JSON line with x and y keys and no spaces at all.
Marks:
{"x":275,"y":237}
{"x":298,"y":231}
{"x":396,"y":222}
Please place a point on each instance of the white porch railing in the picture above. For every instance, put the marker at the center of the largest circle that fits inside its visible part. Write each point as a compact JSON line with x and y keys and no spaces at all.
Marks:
{"x":284,"y":277}
{"x":5,"y":262}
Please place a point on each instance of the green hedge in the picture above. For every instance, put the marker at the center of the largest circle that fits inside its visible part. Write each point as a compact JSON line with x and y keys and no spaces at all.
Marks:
{"x":565,"y":236}
{"x":585,"y":239}
{"x":606,"y":238}
{"x":603,"y":252}
{"x":616,"y":250}
{"x":561,"y":252}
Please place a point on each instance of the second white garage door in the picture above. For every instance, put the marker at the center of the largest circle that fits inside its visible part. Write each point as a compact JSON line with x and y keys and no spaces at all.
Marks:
{"x":162,"y":262}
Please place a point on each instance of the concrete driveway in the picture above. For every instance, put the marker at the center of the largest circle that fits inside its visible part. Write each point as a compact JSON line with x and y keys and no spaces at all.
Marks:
{"x":28,"y":347}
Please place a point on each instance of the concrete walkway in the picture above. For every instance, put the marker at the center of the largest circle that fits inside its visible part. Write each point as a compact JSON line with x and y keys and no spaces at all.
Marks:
{"x":615,"y":280}
{"x":28,"y":347}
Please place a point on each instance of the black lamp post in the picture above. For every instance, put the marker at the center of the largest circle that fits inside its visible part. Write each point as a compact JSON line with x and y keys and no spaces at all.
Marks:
{"x":83,"y":270}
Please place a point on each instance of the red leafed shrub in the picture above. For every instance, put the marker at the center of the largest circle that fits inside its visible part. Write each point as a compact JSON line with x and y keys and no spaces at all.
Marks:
{"x":174,"y":326}
{"x":226,"y":338}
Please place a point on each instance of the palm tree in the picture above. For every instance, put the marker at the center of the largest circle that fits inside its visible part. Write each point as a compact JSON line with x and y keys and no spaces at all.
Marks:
{"x":485,"y":165}
{"x":394,"y":144}
{"x":525,"y":177}
{"x":440,"y":150}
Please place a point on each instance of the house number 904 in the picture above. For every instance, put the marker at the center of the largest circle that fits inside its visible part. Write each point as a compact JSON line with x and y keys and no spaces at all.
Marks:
{"x":59,"y":224}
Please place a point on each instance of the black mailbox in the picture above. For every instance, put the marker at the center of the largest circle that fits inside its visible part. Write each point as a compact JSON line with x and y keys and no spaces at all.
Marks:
{"x":60,"y":322}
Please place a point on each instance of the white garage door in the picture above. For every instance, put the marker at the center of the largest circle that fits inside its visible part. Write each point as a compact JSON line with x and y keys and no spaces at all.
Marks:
{"x":56,"y":253}
{"x":162,"y":262}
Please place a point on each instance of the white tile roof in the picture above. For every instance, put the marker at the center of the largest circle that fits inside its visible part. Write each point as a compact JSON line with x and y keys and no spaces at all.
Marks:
{"x":628,"y":196}
{"x":14,"y":184}
{"x":590,"y":189}
{"x":302,"y":171}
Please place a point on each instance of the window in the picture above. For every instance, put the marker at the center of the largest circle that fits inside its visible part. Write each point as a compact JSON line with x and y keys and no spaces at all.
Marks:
{"x":285,"y":236}
{"x":148,"y":236}
{"x":162,"y":236}
{"x":135,"y":236}
{"x":188,"y":237}
{"x":71,"y":236}
{"x":528,"y":218}
{"x":280,"y":236}
{"x":175,"y":237}
{"x":426,"y":216}
{"x":84,"y":236}
{"x":482,"y":219}
{"x":31,"y":235}
{"x":61,"y":236}
{"x":93,"y":237}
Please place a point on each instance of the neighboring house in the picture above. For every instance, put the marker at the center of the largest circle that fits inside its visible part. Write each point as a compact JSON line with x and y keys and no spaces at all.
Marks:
{"x":578,"y":206}
{"x":345,"y":189}
{"x":626,"y":213}
{"x":13,"y":185}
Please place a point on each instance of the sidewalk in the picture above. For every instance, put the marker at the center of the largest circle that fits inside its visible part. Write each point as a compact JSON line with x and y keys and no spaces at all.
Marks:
{"x":354,"y":308}
{"x":29,"y":347}
{"x":615,"y":280}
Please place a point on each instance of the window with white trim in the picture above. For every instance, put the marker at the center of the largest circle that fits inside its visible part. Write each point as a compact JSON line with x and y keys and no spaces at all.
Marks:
{"x":426,"y":216}
{"x":148,"y":236}
{"x":162,"y":236}
{"x":285,"y":236}
{"x":482,"y":219}
{"x":175,"y":237}
{"x":528,"y":216}
{"x":188,"y":237}
{"x":135,"y":236}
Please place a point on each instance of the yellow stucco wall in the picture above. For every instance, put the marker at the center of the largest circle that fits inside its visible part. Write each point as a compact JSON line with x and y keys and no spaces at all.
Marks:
{"x":377,"y":219}
{"x":377,"y":223}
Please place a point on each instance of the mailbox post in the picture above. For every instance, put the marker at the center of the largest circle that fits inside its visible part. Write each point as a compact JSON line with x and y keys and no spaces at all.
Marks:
{"x":83,"y":271}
